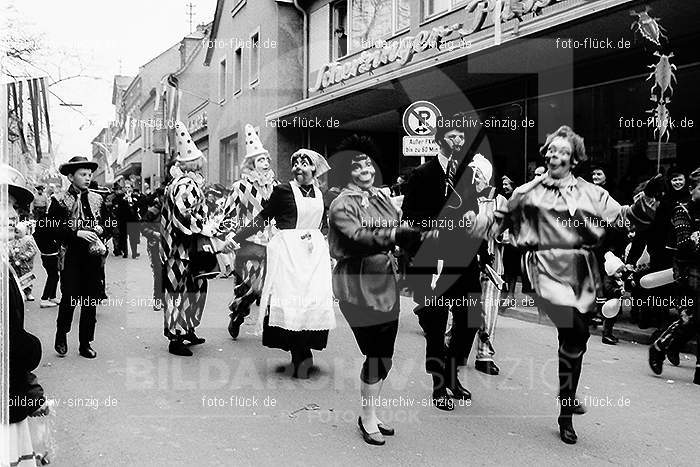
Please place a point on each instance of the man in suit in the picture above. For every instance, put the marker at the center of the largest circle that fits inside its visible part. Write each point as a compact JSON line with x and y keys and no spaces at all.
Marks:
{"x":441,"y":196}
{"x":128,"y":218}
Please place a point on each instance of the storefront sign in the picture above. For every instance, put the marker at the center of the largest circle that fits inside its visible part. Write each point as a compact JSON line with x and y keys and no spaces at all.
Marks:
{"x":403,"y":50}
{"x":197,"y":122}
{"x":420,"y":146}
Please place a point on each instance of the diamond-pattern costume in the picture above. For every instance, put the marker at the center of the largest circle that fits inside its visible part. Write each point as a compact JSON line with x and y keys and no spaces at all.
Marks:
{"x":183,"y":216}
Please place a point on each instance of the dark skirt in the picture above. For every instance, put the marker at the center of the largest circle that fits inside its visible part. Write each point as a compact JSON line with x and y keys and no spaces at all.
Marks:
{"x":375,"y":331}
{"x":279,"y":338}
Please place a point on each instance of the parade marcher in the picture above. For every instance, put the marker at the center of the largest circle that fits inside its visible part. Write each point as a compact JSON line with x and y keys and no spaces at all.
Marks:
{"x":128,"y":219}
{"x":438,"y":194}
{"x":493,"y":258}
{"x":48,"y":247}
{"x":40,"y":203}
{"x":76,"y":218}
{"x":26,"y":396}
{"x":151,"y":230}
{"x":686,"y":271}
{"x":112,"y":208}
{"x":244,"y":203}
{"x":558,"y":220}
{"x":296,"y":306}
{"x":183,"y":219}
{"x":363,"y":230}
{"x":23,"y":250}
{"x":511,"y":255}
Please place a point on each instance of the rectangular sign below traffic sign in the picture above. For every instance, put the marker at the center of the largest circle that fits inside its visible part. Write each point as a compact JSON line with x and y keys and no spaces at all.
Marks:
{"x":420,"y":146}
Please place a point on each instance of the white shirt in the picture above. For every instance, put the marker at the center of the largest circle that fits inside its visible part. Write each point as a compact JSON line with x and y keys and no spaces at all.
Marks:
{"x":442,"y":159}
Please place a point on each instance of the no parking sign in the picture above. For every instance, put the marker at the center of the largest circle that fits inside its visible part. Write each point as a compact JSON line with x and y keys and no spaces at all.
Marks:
{"x":420,"y":124}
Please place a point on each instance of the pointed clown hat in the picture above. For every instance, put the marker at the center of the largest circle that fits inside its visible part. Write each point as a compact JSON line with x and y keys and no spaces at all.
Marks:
{"x":186,"y":150}
{"x":253,"y":145}
{"x":318,"y":160}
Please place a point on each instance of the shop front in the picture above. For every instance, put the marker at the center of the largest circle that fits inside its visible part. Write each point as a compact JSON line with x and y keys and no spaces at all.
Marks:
{"x":572,"y":62}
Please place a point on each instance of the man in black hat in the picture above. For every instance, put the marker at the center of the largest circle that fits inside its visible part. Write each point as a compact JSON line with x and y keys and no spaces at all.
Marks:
{"x":76,"y":218}
{"x":128,"y":219}
{"x":438,"y":196}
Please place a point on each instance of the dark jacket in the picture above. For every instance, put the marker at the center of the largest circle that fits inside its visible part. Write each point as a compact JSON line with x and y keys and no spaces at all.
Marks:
{"x":26,"y":395}
{"x":82,"y":273}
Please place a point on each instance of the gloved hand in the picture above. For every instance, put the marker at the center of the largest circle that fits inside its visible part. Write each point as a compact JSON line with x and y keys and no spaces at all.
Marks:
{"x":407,"y":238}
{"x":655,"y":186}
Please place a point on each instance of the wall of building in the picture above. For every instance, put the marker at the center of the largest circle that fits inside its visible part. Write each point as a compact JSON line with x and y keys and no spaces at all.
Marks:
{"x":279,"y":83}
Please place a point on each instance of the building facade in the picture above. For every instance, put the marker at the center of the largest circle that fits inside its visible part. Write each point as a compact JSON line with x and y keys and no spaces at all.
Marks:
{"x":254,"y":56}
{"x":545,"y":64}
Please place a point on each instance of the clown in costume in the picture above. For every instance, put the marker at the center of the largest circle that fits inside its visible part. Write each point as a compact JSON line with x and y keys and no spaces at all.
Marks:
{"x":244,"y":203}
{"x":182,"y":219}
{"x":297,"y":286}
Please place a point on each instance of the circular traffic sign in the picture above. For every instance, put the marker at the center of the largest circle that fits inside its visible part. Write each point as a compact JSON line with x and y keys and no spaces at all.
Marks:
{"x":420,"y":119}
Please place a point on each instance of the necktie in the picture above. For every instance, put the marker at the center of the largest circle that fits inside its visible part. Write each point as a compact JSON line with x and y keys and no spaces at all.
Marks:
{"x":451,"y":172}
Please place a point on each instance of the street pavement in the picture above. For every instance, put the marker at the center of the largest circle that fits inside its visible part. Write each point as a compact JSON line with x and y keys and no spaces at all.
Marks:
{"x":138,"y":405}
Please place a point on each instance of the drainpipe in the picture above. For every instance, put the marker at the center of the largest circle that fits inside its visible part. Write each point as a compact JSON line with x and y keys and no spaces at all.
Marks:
{"x":305,"y":52}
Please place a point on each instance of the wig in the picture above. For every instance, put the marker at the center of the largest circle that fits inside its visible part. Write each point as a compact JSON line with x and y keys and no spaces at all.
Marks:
{"x":578,"y":149}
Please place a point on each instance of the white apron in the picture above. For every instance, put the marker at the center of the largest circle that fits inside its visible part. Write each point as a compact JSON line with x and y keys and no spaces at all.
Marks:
{"x":297,"y":284}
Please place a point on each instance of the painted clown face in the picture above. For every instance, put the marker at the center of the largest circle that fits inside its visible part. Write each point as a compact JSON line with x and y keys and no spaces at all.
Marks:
{"x":678,"y":182}
{"x":262,"y":163}
{"x":559,"y":157}
{"x":303,"y":169}
{"x":362,"y":172}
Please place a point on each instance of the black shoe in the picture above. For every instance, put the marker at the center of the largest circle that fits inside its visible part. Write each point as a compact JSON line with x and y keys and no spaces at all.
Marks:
{"x":610,"y":340}
{"x":303,"y":369}
{"x":135,"y":255}
{"x":459,"y":392}
{"x":125,"y":255}
{"x":60,"y":344}
{"x":443,"y":401}
{"x":234,"y":325}
{"x":673,"y":356}
{"x":385,"y":429}
{"x":566,"y":430}
{"x":192,"y":338}
{"x":176,"y":347}
{"x":86,"y":351}
{"x":375,"y":439}
{"x":656,"y":359}
{"x":487,"y":366}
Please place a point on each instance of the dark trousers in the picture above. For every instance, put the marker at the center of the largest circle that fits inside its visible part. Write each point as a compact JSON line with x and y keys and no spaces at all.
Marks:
{"x":50,"y":264}
{"x":157,"y":268}
{"x":130,"y":231}
{"x":573,"y":334}
{"x":442,"y":361}
{"x":683,"y":329}
{"x":86,"y":333}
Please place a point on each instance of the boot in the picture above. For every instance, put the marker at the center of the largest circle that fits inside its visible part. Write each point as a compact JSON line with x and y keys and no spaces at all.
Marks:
{"x":440,"y":398}
{"x":453,"y":384}
{"x":302,"y":361}
{"x":192,"y":338}
{"x":60,"y":344}
{"x":177,"y":347}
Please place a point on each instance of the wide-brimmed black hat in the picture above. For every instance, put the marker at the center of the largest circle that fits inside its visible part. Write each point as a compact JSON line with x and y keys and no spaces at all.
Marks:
{"x":75,"y":163}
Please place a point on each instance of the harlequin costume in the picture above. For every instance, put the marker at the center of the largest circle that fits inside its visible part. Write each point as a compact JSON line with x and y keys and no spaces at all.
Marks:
{"x":296,"y":307}
{"x":183,"y":217}
{"x":248,"y":195}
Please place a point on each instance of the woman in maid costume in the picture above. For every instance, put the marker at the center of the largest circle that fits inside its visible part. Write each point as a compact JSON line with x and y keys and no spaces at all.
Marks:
{"x":558,"y":219}
{"x":296,"y":306}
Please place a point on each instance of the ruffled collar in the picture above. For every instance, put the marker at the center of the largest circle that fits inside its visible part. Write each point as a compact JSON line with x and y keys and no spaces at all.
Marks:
{"x":566,"y":182}
{"x":566,"y":188}
{"x":266,"y":179}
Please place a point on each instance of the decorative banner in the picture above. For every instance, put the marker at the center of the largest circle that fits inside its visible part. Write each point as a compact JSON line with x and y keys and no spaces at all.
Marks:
{"x":663,"y":74}
{"x":648,"y":27}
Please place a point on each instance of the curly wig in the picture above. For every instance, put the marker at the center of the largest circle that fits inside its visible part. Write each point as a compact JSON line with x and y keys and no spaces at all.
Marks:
{"x":353,"y":149}
{"x":578,"y":153}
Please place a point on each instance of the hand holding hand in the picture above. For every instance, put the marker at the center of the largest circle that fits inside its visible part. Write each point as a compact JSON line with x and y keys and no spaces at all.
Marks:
{"x":90,"y":237}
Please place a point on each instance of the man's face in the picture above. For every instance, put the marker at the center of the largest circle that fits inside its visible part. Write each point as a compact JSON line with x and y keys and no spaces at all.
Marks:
{"x":559,"y":157}
{"x":453,"y":143}
{"x":507,"y":187}
{"x":599,"y":177}
{"x":81,"y":178}
{"x":262,"y":163}
{"x":362,"y":172}
{"x":678,"y":182}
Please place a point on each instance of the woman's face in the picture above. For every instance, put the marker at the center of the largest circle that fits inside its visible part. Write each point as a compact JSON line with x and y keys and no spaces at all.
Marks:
{"x":303,"y":170}
{"x":362,"y":173}
{"x":480,"y":181}
{"x":262,"y":163}
{"x":599,"y":177}
{"x":559,"y":157}
{"x":678,"y":182}
{"x":507,"y":187}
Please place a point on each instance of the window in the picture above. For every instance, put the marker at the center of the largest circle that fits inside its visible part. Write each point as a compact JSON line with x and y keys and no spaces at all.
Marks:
{"x":339,"y":29}
{"x":254,"y":58}
{"x":228,"y":160}
{"x":222,"y":80}
{"x":237,"y":70}
{"x":376,"y":20}
{"x":435,"y":7}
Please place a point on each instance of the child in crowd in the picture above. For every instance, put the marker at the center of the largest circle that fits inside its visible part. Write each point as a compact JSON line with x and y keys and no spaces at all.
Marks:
{"x":22,"y":253}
